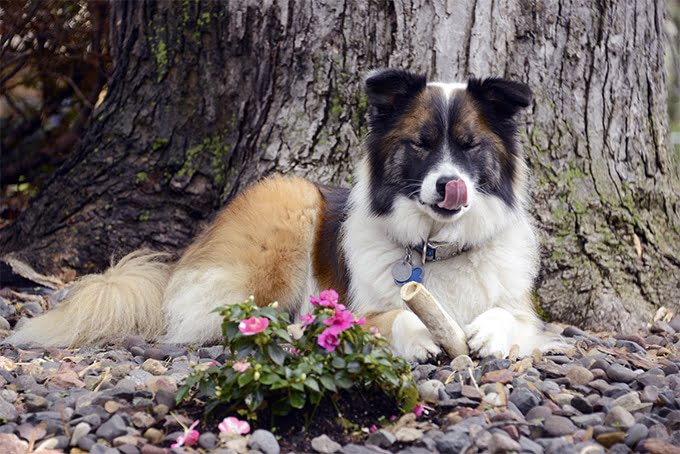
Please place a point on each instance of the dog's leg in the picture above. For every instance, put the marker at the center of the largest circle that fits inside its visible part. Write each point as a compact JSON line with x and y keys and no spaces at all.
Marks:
{"x":409,"y":338}
{"x":497,"y":330}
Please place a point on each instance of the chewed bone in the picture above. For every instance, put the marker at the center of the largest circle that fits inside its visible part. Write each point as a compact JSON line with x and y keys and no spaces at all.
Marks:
{"x":443,"y":328}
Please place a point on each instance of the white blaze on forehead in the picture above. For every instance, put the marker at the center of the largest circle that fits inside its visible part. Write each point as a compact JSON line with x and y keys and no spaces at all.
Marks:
{"x":448,"y":88}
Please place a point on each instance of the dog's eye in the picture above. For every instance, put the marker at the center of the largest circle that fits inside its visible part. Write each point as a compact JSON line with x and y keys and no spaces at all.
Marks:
{"x":416,"y":144}
{"x":468,"y":143}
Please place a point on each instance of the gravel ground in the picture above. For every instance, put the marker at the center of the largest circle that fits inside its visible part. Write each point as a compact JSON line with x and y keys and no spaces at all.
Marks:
{"x":607,"y":393}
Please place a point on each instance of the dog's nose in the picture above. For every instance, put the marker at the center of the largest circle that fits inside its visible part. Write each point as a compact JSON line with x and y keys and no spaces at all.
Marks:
{"x":441,"y":184}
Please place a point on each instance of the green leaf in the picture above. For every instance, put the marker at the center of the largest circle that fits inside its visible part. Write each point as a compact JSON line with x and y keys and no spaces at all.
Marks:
{"x":343,"y":381}
{"x":231,"y":331}
{"x":312,"y":384}
{"x":276,"y":353}
{"x":254,"y":400}
{"x":283,"y":334}
{"x":244,"y":379}
{"x":353,"y":367}
{"x":268,"y":379}
{"x":338,"y":362}
{"x":328,"y":383}
{"x":297,"y":399}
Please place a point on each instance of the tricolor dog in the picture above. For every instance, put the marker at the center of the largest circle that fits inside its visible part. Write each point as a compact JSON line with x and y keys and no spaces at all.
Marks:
{"x":440,"y":196}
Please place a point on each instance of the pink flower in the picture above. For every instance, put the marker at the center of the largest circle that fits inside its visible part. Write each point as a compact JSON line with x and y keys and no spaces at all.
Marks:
{"x":373,"y":428}
{"x":240,"y":366}
{"x":327,"y":298}
{"x":253,"y":325}
{"x":189,"y":438}
{"x":361,"y":321}
{"x":307,"y":320}
{"x":233,"y":425}
{"x":328,"y":339}
{"x":294,"y":351}
{"x":329,"y":295}
{"x":418,"y":410}
{"x":340,"y":321}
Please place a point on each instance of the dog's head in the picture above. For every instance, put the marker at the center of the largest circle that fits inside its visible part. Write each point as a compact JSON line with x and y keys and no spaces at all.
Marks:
{"x":442,"y":148}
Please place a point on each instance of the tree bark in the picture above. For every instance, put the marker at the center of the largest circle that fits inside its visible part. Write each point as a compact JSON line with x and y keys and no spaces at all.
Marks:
{"x":209,"y":96}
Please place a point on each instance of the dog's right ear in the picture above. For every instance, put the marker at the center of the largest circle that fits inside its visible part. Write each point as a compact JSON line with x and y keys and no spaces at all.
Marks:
{"x":390,"y":90}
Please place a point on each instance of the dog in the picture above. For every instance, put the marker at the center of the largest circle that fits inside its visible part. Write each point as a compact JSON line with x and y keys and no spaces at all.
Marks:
{"x":440,"y":197}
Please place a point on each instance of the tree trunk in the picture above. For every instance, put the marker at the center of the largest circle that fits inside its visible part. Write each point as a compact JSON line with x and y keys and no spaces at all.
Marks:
{"x":208,"y":96}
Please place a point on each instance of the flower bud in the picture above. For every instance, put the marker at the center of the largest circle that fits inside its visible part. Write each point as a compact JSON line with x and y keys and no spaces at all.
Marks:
{"x":256,"y":375}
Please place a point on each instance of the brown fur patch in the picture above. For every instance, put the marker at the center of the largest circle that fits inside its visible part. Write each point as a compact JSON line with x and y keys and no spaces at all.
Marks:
{"x":328,"y":260}
{"x":266,"y":233}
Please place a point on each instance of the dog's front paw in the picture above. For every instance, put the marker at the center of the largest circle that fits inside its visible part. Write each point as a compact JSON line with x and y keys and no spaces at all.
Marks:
{"x":411,"y":340}
{"x":488,"y":334}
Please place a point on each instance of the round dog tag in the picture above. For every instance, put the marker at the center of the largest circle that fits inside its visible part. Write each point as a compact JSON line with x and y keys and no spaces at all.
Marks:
{"x":401,"y":271}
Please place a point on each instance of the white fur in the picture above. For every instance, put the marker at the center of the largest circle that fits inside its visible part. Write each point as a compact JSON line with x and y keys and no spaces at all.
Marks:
{"x":410,"y":337}
{"x":448,"y":88}
{"x":496,"y":275}
{"x":190,"y":299}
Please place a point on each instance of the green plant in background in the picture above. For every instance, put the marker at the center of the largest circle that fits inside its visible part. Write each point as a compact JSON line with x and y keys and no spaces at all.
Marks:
{"x":277,"y":367}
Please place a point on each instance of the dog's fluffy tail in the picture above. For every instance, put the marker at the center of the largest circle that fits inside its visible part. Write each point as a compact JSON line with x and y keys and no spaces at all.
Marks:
{"x":124,"y":300}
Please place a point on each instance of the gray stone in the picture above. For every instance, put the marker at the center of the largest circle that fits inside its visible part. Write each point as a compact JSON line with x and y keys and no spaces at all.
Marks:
{"x":79,"y":431}
{"x":128,"y":449}
{"x":86,"y":442}
{"x":635,"y":434}
{"x":207,"y":440}
{"x":32,"y":308}
{"x":452,"y":442}
{"x":552,"y":445}
{"x":581,"y":405}
{"x":620,"y":418}
{"x":525,"y":399}
{"x":114,"y":427}
{"x":98,"y":448}
{"x":325,"y":445}
{"x":538,"y":413}
{"x":630,"y":401}
{"x":351,"y":448}
{"x":529,"y":446}
{"x":501,"y":442}
{"x":9,"y":395}
{"x":4,"y":324}
{"x":264,"y":441}
{"x":35,"y":403}
{"x":647,"y":379}
{"x":578,"y":375}
{"x":381,"y":438}
{"x":62,"y":442}
{"x":462,"y":362}
{"x":675,"y":323}
{"x":429,"y":390}
{"x":139,"y":377}
{"x":617,"y":372}
{"x":558,"y":426}
{"x":592,"y":419}
{"x":649,"y":394}
{"x":7,"y":411}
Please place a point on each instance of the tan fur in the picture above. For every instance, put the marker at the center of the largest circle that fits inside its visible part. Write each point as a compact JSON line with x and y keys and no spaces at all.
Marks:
{"x":267,"y":232}
{"x":124,"y":300}
{"x":382,"y":322}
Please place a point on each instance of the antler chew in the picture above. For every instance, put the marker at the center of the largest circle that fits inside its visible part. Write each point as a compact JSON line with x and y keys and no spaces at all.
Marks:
{"x":444,"y":329}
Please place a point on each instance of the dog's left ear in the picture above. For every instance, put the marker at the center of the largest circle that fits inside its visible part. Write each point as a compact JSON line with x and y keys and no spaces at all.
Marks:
{"x":390,"y":90}
{"x":500,"y":97}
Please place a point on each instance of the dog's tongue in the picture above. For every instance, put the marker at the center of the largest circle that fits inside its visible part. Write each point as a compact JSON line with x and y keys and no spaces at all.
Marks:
{"x":456,"y":195}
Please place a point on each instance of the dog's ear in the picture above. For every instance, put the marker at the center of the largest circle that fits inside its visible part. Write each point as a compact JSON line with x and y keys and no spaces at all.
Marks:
{"x":390,"y":90}
{"x":500,"y":98}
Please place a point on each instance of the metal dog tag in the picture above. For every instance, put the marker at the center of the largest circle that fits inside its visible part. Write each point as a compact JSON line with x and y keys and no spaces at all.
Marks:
{"x":401,"y":271}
